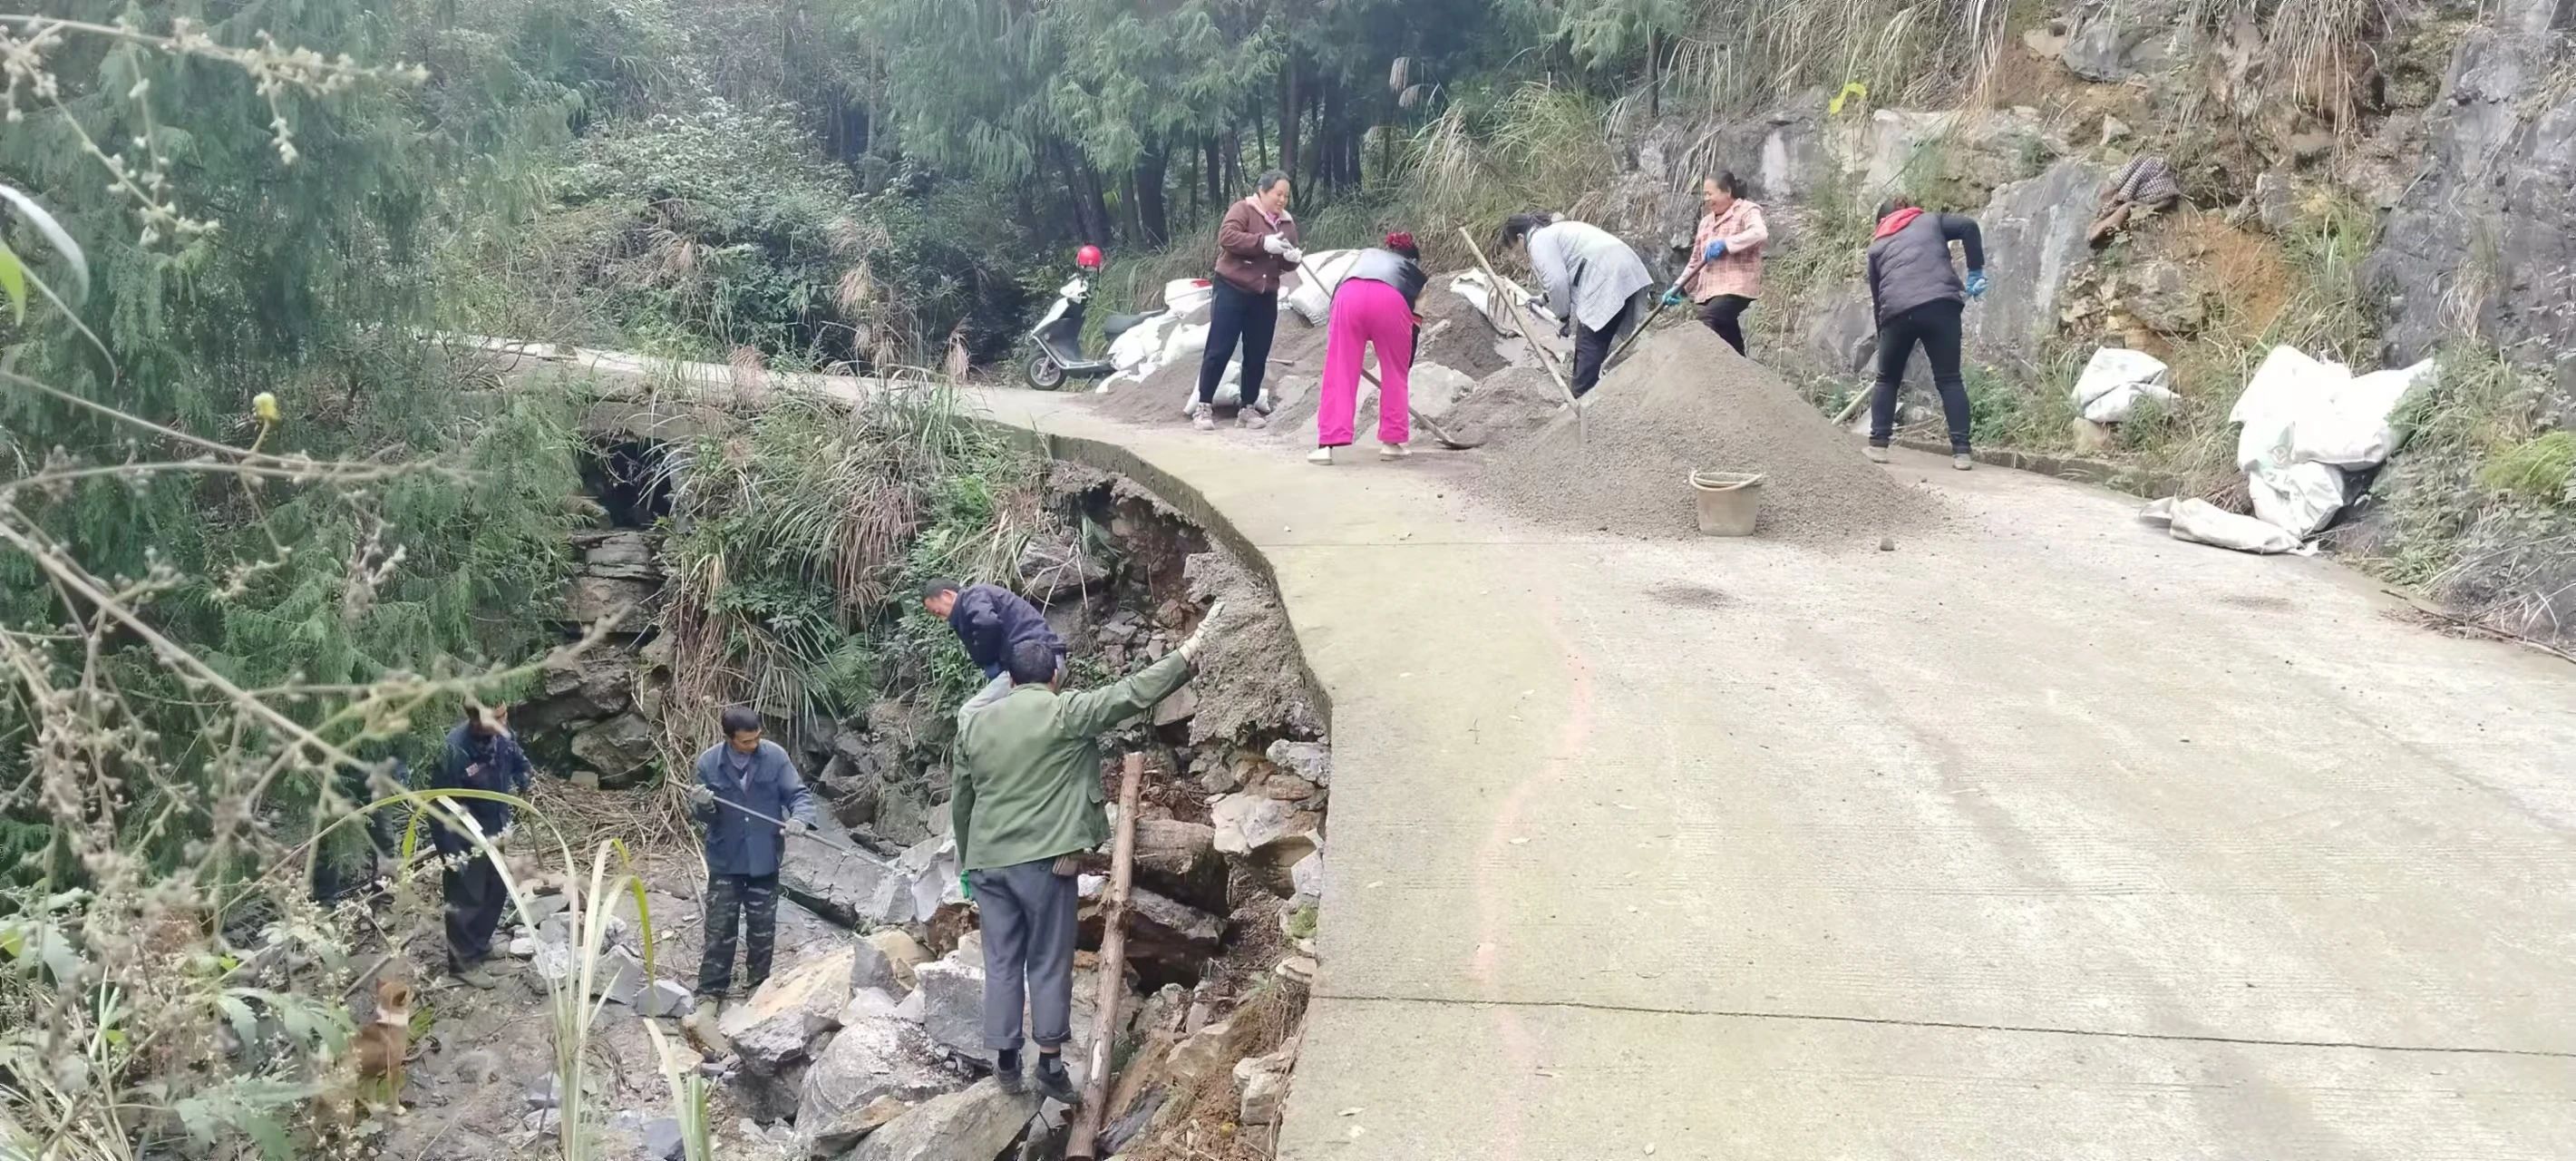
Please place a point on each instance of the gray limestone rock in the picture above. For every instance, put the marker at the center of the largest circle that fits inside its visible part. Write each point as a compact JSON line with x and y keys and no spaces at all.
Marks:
{"x":974,"y":1125}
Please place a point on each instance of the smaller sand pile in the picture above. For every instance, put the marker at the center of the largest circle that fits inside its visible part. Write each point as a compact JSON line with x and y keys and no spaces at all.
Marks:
{"x":1468,"y":343}
{"x":1685,"y":401}
{"x":1504,"y":408}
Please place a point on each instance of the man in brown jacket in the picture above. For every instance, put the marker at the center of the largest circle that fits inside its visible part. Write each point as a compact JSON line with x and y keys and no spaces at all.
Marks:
{"x":1256,"y":244}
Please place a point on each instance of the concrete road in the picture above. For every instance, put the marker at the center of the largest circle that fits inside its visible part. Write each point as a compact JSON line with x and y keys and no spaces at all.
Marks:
{"x":2041,"y":836}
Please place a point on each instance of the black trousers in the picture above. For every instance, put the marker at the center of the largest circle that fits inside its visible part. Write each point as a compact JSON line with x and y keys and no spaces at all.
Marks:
{"x":475,"y":897}
{"x":752,"y":902}
{"x":1721,"y":314}
{"x":1935,"y":325}
{"x":1592,"y":347}
{"x":1237,"y":314}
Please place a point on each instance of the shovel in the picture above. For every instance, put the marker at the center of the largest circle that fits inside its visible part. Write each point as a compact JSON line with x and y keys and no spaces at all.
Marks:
{"x":810,"y":834}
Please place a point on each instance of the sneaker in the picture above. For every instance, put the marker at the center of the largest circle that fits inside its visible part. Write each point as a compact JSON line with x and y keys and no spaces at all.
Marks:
{"x":1202,"y":417}
{"x":1266,"y":404}
{"x":709,"y":1011}
{"x":1963,"y":461}
{"x":1321,"y":455}
{"x":1006,"y":1070}
{"x":1877,"y":454}
{"x":476,"y":976}
{"x":1392,"y":451}
{"x":1252,"y":419}
{"x":1054,"y":1081}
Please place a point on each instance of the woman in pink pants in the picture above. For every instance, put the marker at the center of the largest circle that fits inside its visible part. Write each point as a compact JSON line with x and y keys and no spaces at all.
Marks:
{"x":1373,"y":306}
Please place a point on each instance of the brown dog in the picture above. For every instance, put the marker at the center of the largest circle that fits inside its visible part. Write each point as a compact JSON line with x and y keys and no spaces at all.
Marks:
{"x":381,"y":1044}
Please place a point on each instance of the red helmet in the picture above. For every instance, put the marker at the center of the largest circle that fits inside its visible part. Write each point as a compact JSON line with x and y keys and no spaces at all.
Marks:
{"x":1088,"y":257}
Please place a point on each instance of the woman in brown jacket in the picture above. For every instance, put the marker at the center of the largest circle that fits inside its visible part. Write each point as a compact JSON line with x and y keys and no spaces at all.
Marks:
{"x":1255,"y":246}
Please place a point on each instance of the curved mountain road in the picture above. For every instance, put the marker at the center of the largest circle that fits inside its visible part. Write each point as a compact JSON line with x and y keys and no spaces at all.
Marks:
{"x":2041,"y":836}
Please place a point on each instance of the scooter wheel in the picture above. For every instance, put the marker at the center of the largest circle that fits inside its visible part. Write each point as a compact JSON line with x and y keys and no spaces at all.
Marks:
{"x":1042,"y":373}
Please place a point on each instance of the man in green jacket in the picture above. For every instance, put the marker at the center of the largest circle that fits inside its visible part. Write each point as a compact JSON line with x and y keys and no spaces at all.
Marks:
{"x":1028,"y":804}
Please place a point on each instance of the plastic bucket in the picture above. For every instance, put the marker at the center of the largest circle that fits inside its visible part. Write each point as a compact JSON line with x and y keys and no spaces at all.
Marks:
{"x":1729,"y":502}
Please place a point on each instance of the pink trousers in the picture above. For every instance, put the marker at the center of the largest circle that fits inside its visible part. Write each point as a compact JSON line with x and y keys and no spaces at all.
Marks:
{"x":1371,"y":313}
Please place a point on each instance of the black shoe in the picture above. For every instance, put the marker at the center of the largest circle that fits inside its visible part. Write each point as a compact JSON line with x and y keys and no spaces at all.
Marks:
{"x":1054,"y":1081}
{"x":1006,"y":1069}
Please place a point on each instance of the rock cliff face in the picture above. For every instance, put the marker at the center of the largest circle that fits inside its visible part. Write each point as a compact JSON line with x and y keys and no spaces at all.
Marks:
{"x":2448,"y":123}
{"x":2484,"y":236}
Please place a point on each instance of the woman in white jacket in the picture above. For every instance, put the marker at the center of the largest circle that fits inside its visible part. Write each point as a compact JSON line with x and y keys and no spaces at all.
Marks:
{"x":1592,"y":282}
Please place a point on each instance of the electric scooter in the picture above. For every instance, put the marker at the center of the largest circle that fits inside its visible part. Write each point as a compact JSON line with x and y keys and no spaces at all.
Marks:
{"x":1058,"y":336}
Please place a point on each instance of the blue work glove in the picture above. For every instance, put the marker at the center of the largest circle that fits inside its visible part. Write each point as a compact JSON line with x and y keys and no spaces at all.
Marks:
{"x":1673,"y":297}
{"x":1716,"y":249}
{"x":1976,"y":284}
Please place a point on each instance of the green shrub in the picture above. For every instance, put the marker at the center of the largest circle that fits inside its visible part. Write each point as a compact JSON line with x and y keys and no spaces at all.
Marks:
{"x":2541,"y":468}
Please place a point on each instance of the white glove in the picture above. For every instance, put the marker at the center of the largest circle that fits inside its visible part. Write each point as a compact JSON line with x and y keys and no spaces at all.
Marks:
{"x":1292,"y":254}
{"x":1274,"y":243}
{"x":701,"y":796}
{"x":1198,"y":637}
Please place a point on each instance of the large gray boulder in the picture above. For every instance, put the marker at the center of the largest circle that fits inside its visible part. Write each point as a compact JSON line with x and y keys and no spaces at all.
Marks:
{"x":1162,"y":932}
{"x":1262,"y":830}
{"x":598,"y":683}
{"x":2035,"y":243}
{"x":621,"y":750}
{"x":2113,"y":40}
{"x":2482,"y":237}
{"x":951,"y":991}
{"x":974,"y":1125}
{"x":841,"y":884}
{"x":773,"y":1028}
{"x":876,"y":1056}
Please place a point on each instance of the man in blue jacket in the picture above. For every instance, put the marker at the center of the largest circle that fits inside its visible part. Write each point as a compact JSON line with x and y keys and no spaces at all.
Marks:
{"x":480,"y":755}
{"x":743,"y":784}
{"x":990,"y":622}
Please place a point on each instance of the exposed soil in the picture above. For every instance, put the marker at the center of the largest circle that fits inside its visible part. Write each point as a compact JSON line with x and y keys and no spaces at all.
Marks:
{"x":1682,"y":402}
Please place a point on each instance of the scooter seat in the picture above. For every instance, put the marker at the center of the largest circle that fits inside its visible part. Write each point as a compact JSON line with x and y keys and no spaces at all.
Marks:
{"x":1119,"y":324}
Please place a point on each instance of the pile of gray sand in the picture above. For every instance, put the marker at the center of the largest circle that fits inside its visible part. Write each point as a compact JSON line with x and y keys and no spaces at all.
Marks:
{"x":1685,"y":401}
{"x":1506,"y":407}
{"x":1468,"y":343}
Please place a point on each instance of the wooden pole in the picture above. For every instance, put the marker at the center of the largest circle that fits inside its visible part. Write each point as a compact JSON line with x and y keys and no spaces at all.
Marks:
{"x":1582,"y":433}
{"x":1083,"y":1143}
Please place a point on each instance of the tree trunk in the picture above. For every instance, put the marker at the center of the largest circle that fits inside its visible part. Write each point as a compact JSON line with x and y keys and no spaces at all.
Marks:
{"x":1092,"y":225}
{"x":1321,"y":172}
{"x":1292,"y":95}
{"x":1096,"y":194}
{"x":1152,"y":217}
{"x":1654,"y":74}
{"x":1215,"y":174}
